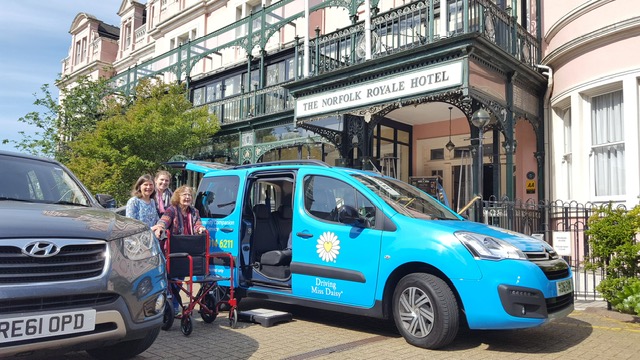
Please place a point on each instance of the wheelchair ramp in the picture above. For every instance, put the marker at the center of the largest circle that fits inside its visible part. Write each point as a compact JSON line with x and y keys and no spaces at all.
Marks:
{"x":264,"y":317}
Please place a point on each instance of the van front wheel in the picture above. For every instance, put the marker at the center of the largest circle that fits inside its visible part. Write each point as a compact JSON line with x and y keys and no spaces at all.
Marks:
{"x":425,"y":311}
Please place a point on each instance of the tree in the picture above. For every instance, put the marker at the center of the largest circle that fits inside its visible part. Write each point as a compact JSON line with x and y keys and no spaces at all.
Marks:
{"x":136,"y":139}
{"x":80,"y":108}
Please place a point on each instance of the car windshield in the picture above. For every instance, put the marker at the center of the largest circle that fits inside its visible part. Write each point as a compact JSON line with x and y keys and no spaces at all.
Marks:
{"x":32,"y":180}
{"x":406,"y":199}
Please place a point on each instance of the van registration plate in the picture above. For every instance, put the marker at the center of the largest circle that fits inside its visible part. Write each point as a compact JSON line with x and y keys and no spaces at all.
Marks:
{"x":564,"y":287}
{"x":45,"y":325}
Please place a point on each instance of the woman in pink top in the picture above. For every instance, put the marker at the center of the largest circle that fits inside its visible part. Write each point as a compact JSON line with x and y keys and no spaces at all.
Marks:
{"x":163,"y":192}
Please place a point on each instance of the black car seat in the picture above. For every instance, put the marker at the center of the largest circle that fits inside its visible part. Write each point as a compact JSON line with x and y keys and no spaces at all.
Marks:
{"x":267,"y":256}
{"x":284,"y":218}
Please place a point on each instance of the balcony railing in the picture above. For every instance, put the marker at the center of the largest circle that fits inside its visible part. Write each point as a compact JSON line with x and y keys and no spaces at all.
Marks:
{"x":266,"y":101}
{"x":416,"y":24}
{"x":420,"y":23}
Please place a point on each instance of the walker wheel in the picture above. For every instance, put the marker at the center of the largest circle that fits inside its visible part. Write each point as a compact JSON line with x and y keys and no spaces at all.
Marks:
{"x":209,"y":315}
{"x":233,"y":318}
{"x":186,"y":325}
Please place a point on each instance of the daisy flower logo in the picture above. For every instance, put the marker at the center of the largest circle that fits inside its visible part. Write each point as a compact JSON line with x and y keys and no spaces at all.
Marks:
{"x":328,"y":247}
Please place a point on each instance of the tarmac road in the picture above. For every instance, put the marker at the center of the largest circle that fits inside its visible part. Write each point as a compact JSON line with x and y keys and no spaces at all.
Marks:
{"x":590,"y":332}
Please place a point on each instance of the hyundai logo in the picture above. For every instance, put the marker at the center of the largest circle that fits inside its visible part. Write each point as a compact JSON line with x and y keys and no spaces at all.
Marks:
{"x":41,"y":249}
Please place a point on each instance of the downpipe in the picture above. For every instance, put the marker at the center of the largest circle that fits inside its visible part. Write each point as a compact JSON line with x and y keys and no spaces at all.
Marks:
{"x":548,"y":72}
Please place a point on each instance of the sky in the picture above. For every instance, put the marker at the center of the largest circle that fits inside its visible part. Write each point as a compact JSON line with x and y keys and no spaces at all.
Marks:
{"x":34,"y":39}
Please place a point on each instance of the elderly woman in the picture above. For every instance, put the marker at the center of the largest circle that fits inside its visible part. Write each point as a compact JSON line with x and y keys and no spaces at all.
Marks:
{"x":181,"y":218}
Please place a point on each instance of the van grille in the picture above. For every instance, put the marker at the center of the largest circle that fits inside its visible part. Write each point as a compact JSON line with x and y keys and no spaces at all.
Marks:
{"x":559,"y":303}
{"x":552,"y":266}
{"x":38,"y":304}
{"x":73,"y":262}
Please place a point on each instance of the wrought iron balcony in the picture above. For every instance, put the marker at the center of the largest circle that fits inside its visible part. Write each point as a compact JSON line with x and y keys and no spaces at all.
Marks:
{"x":417,"y":24}
{"x":420,"y":23}
{"x":237,"y":108}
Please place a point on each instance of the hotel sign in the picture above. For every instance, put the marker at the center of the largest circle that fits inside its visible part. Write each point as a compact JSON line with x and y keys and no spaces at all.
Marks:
{"x":404,"y":85}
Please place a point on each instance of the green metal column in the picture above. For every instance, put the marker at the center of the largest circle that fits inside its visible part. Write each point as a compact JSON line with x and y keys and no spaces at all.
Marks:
{"x":509,"y":141}
{"x":495,"y":156}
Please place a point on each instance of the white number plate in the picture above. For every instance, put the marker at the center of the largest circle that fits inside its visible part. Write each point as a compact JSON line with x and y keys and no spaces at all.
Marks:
{"x":564,"y":287}
{"x":46,"y":325}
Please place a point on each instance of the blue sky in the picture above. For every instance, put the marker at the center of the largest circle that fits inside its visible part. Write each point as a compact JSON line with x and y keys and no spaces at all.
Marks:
{"x":34,"y":38}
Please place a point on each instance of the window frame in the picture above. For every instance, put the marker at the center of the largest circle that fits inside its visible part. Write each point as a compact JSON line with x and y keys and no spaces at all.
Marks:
{"x":593,"y":181}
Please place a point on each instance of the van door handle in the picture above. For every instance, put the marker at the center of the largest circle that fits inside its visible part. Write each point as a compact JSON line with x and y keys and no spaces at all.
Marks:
{"x":304,"y":235}
{"x":226,"y":230}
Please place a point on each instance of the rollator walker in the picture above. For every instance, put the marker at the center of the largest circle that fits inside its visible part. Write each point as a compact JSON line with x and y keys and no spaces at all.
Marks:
{"x":188,"y":259}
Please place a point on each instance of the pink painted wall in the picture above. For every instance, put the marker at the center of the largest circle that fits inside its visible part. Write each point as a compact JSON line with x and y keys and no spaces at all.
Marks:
{"x":485,"y":81}
{"x":459,"y":126}
{"x":567,"y":20}
{"x":597,"y":63}
{"x":525,"y":160}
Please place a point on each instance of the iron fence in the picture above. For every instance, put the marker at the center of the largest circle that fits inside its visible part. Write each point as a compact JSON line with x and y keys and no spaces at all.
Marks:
{"x":562,"y":224}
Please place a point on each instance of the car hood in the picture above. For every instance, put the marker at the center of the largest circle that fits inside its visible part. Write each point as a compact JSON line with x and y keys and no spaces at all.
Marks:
{"x":523,"y":242}
{"x":30,"y":220}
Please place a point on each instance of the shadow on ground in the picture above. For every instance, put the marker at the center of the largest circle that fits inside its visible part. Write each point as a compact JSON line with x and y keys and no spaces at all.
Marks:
{"x":550,"y":338}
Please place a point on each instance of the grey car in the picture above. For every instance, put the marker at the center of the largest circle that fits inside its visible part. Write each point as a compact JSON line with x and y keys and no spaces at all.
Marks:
{"x":73,"y":275}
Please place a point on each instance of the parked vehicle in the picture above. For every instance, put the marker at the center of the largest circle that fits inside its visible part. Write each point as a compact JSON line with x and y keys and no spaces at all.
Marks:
{"x":73,"y":275}
{"x":358,"y":242}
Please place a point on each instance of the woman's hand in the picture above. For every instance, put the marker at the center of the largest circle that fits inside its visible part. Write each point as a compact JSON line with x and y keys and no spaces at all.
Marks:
{"x":157,"y":230}
{"x":201,"y":230}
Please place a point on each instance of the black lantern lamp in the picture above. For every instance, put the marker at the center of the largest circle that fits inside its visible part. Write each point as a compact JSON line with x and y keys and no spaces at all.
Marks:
{"x":450,"y":145}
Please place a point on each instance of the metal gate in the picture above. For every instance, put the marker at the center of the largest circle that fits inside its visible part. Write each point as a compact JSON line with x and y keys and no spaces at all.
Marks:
{"x":561,"y":224}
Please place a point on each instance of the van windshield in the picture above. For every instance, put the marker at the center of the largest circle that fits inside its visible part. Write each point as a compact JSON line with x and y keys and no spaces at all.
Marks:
{"x":406,"y":199}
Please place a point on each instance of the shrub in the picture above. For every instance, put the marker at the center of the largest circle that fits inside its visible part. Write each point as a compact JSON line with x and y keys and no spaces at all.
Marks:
{"x":614,"y":248}
{"x":628,"y":299}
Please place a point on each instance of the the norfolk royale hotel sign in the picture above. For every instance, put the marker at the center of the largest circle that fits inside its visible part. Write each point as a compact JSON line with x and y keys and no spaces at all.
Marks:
{"x":404,"y":85}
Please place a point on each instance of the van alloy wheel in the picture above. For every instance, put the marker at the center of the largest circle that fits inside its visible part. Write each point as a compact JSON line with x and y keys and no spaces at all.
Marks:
{"x":425,"y":311}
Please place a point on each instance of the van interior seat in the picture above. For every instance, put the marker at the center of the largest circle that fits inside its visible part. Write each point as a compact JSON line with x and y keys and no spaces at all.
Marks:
{"x":266,"y":249}
{"x":284,"y":218}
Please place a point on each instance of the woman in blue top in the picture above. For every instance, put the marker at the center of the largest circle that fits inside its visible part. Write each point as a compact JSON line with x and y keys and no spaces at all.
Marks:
{"x":141,"y":205}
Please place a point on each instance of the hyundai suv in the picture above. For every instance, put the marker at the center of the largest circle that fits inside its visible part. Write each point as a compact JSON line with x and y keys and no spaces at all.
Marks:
{"x":73,"y":275}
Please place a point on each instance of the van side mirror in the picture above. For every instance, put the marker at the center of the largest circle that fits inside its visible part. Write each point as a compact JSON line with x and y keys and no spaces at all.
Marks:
{"x":107,"y":201}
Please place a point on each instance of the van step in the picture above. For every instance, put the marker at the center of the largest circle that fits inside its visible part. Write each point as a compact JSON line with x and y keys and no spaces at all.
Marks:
{"x":264,"y":317}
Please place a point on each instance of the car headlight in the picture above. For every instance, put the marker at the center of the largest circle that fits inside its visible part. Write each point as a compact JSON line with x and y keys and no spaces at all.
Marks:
{"x":487,"y":247}
{"x":140,"y":246}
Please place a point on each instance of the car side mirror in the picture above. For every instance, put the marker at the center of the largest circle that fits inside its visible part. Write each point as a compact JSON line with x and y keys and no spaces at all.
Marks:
{"x":107,"y":201}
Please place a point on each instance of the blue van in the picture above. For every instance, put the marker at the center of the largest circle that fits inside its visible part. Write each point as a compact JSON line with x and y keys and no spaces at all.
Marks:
{"x":359,"y":242}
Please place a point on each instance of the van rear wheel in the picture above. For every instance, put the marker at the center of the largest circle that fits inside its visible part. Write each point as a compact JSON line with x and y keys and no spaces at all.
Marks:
{"x":425,"y":311}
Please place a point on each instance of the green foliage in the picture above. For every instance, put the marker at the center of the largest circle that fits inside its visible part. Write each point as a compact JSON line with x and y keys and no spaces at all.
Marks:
{"x":614,"y":248}
{"x":628,"y":299}
{"x":137,"y":139}
{"x":80,"y":109}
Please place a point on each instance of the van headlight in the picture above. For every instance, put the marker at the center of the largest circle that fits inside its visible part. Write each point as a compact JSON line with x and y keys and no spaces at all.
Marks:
{"x":140,"y":246}
{"x":487,"y":247}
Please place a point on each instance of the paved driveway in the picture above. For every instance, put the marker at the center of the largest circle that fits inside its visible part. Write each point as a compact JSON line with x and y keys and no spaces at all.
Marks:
{"x":592,"y":333}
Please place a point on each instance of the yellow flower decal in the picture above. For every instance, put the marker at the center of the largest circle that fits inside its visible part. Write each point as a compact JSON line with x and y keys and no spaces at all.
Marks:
{"x":328,"y":247}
